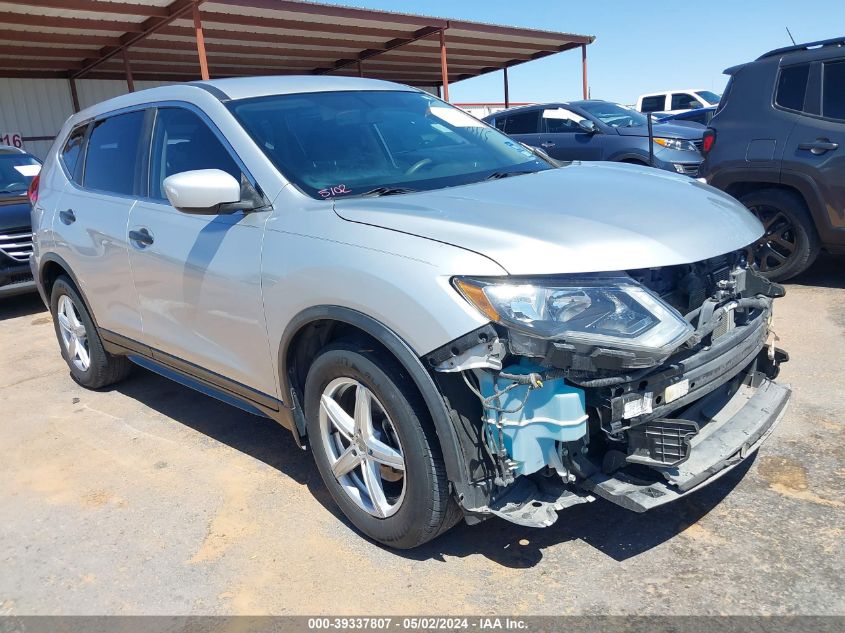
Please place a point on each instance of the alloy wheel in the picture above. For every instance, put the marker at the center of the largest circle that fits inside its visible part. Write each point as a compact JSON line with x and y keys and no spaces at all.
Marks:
{"x":778,"y":243}
{"x":74,"y":336}
{"x":362,"y":446}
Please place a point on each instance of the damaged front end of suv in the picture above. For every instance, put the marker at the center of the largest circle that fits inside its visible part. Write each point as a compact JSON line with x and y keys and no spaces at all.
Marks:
{"x":639,"y":386}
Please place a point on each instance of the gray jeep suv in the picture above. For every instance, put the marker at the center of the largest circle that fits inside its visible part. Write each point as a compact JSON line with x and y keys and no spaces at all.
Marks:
{"x":453,"y":326}
{"x":777,"y":142}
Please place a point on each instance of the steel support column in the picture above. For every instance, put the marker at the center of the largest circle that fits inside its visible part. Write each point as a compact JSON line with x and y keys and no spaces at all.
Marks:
{"x":507,"y":89}
{"x":130,"y":84}
{"x":74,"y":96}
{"x":200,"y":42}
{"x":585,"y":86}
{"x":444,"y":66}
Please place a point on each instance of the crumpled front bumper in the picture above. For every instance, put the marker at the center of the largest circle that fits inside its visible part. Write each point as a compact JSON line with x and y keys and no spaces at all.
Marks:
{"x":735,"y":420}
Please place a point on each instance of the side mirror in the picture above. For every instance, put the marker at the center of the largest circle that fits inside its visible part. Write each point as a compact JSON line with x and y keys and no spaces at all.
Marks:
{"x":210,"y":192}
{"x":588,"y":126}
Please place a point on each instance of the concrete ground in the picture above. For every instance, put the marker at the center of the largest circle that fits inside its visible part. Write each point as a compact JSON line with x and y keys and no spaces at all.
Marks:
{"x":152,"y":499}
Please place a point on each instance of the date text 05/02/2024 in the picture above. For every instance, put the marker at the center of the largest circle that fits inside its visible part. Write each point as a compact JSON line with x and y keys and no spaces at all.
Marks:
{"x":417,"y":623}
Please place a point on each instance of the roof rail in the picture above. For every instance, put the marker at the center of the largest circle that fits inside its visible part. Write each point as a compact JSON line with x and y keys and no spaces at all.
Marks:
{"x":836,"y":41}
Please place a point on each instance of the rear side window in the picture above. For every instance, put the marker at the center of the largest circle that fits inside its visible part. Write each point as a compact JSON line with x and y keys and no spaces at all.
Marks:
{"x":72,"y":152}
{"x":523,"y":123}
{"x":833,"y":87}
{"x":112,"y":160}
{"x":653,"y":104}
{"x":792,"y":86}
{"x":183,"y":142}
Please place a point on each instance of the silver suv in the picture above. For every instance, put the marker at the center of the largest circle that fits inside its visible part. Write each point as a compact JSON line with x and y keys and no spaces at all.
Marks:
{"x":456,"y":327}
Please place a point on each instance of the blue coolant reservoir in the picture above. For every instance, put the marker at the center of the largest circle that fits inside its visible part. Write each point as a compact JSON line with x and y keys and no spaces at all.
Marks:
{"x":552,"y":413}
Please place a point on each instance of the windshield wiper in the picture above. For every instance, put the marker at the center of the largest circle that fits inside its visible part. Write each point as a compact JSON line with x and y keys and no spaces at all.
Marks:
{"x":387,"y":191}
{"x":496,"y":175}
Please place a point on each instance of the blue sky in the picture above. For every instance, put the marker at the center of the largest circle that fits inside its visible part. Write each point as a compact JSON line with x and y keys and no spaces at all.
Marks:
{"x":640,"y":46}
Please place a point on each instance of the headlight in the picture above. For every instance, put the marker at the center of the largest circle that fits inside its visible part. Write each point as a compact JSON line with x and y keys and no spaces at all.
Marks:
{"x":613,"y":312}
{"x":675,"y":143}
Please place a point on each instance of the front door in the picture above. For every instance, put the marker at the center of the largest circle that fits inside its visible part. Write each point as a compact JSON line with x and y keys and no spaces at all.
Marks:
{"x":198,"y":277}
{"x":564,"y":139}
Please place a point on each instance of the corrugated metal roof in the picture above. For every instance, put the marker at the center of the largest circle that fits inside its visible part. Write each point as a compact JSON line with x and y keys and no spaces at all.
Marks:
{"x":76,"y":38}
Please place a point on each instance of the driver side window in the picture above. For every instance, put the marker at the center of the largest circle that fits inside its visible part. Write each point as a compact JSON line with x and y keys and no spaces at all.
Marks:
{"x":561,"y":120}
{"x":684,"y":101}
{"x":183,"y":142}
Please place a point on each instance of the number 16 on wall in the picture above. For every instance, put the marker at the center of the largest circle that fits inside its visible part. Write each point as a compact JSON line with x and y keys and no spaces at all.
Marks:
{"x":15,"y":140}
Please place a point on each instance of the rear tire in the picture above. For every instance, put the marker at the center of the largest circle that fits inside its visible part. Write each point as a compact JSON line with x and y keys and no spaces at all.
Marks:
{"x":89,"y":363}
{"x":410,"y":505}
{"x":790,"y":244}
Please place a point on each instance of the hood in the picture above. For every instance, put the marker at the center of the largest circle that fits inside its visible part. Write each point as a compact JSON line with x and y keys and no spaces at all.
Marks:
{"x":14,"y":213}
{"x":675,"y":129}
{"x":585,"y":217}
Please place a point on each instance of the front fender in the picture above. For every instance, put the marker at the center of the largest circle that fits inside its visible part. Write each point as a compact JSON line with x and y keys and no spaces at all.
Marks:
{"x":393,"y":286}
{"x":456,"y":468}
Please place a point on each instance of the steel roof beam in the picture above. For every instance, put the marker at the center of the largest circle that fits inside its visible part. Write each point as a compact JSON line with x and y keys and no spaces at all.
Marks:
{"x":175,"y":10}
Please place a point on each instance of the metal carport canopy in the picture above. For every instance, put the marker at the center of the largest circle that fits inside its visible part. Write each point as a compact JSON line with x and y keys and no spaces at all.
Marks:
{"x":183,"y":40}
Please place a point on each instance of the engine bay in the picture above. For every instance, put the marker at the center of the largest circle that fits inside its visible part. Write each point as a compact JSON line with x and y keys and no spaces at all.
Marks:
{"x":562,"y":420}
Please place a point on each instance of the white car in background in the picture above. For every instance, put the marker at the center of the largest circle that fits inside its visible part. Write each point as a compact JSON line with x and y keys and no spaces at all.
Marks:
{"x":674,"y":101}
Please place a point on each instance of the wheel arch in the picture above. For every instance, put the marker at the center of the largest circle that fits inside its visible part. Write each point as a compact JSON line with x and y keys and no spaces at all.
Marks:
{"x":741,"y":182}
{"x":315,"y":327}
{"x":630,"y":158}
{"x":50,"y":268}
{"x":739,"y":189}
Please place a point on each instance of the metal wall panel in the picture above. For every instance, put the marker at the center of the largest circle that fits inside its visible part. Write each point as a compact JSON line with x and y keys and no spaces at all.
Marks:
{"x":33,"y":108}
{"x":39,"y":107}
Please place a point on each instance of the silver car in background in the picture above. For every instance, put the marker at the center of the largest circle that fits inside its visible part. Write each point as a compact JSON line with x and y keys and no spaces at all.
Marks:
{"x":455,"y":327}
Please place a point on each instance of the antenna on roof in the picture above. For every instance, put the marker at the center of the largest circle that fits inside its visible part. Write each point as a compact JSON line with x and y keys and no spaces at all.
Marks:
{"x":790,"y":36}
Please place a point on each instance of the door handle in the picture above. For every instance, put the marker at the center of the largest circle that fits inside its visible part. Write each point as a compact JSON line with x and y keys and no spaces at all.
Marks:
{"x":67,"y":216}
{"x":142,"y":238}
{"x":547,"y":144}
{"x":819,"y":146}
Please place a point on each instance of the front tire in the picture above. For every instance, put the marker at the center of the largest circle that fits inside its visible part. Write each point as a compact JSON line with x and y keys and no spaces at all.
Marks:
{"x":790,"y":244}
{"x":375,"y":447}
{"x":89,"y":363}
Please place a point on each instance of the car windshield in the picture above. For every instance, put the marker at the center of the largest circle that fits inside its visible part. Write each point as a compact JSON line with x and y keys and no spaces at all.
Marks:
{"x":16,"y":172}
{"x":710,"y":97}
{"x":614,"y":114}
{"x":341,"y":144}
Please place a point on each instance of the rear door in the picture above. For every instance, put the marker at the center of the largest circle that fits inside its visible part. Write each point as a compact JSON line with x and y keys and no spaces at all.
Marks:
{"x":564,"y":139}
{"x":816,"y":146}
{"x":199,"y":276}
{"x":90,"y":220}
{"x":524,"y":126}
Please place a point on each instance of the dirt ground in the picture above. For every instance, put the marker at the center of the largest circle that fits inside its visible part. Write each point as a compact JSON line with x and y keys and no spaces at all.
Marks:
{"x":152,"y":499}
